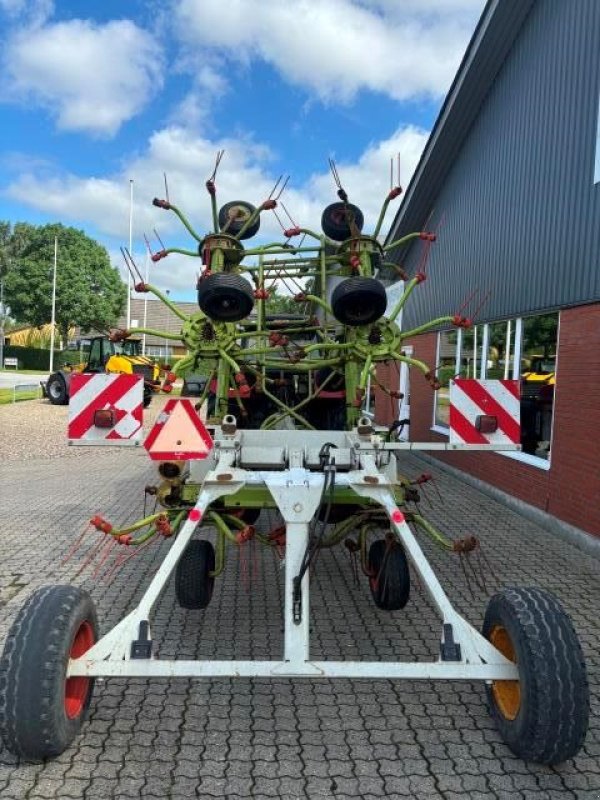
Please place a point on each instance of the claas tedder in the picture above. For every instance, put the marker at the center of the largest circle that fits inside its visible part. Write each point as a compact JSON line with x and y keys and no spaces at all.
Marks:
{"x":288,"y":430}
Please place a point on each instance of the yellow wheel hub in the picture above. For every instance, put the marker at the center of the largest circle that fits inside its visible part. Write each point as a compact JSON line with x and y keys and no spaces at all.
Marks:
{"x":507,"y":694}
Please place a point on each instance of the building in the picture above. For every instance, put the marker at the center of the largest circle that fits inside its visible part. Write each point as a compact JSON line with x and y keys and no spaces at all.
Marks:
{"x":155,"y":315}
{"x":510,"y":180}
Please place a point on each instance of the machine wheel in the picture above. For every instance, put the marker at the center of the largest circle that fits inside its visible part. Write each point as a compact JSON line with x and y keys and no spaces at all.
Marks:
{"x":334,"y":221}
{"x":358,"y":301}
{"x":56,"y":389}
{"x":390,"y":581}
{"x":244,"y":211}
{"x":225,"y":297}
{"x":41,"y":710}
{"x":148,"y":394}
{"x":543,"y":716}
{"x":193,"y":582}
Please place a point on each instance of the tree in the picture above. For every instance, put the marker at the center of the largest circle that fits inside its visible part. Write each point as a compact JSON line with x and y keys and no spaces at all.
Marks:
{"x":89,"y":291}
{"x":281,"y":303}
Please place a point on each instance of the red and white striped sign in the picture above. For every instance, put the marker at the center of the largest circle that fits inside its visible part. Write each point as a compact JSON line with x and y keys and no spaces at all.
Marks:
{"x":478,"y":406}
{"x":121,"y":394}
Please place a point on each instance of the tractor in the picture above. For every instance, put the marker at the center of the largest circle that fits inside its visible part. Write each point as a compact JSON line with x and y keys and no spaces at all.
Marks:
{"x":124,"y":357}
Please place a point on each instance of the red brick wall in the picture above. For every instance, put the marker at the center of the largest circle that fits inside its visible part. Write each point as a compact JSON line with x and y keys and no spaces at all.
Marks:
{"x":570,"y":489}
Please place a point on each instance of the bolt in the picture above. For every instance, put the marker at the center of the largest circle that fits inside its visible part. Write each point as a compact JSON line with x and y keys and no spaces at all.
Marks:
{"x":297,"y":507}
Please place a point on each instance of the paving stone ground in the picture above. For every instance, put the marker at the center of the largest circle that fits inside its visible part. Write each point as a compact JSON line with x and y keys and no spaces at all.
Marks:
{"x":287,"y":739}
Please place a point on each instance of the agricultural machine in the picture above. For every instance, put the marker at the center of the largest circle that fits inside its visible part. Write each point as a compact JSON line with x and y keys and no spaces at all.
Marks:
{"x":287,"y":430}
{"x":124,"y":357}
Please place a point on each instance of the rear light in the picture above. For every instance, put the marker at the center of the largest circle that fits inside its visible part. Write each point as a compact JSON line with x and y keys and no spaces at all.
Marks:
{"x":486,"y":423}
{"x":105,"y":418}
{"x":171,"y":377}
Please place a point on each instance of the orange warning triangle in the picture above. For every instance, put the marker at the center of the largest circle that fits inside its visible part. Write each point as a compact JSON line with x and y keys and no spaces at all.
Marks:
{"x":178,"y":434}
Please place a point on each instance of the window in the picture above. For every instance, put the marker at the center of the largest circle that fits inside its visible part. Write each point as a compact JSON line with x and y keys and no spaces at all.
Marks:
{"x":445,"y":371}
{"x":538,"y":378}
{"x":523,"y":348}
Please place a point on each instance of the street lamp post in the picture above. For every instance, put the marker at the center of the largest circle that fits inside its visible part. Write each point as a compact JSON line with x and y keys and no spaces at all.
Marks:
{"x":53,"y":320}
{"x":130,"y":250}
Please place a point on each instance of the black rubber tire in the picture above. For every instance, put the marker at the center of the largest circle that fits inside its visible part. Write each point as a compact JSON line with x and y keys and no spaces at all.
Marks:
{"x":358,"y":301}
{"x":56,"y":389}
{"x":193,"y":584}
{"x":552,"y":719}
{"x":334,"y":221}
{"x":225,"y":297}
{"x":390,"y":583}
{"x":34,"y":723}
{"x":148,"y":394}
{"x":236,"y":225}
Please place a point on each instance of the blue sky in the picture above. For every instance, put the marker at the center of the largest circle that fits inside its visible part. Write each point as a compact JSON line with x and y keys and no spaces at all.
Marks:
{"x":95,"y":94}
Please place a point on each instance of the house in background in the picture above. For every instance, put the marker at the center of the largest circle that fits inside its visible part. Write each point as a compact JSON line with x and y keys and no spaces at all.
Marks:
{"x":510,"y":179}
{"x":151,"y":313}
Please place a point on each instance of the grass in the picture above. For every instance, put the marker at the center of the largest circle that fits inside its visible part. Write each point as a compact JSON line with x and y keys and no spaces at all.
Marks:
{"x":25,"y":371}
{"x":8,"y":396}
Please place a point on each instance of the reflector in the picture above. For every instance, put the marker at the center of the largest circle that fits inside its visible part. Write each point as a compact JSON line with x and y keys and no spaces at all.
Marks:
{"x":105,"y":418}
{"x":486,"y":423}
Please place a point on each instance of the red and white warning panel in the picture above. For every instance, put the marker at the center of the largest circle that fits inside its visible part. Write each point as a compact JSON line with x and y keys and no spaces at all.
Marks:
{"x":178,"y":434}
{"x":106,"y":409}
{"x":485,"y":412}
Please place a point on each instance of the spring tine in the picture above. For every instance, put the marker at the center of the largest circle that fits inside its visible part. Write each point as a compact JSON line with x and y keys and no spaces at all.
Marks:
{"x":277,"y":217}
{"x":166,"y":188}
{"x":391,"y":173}
{"x":399,"y":183}
{"x":274,"y":189}
{"x":129,"y":259}
{"x":148,"y":248}
{"x":288,"y":215}
{"x":123,"y":253}
{"x":91,"y":555}
{"x":73,"y":549}
{"x":103,"y":557}
{"x":481,"y":572}
{"x":285,"y":183}
{"x":468,"y":582}
{"x":159,"y":239}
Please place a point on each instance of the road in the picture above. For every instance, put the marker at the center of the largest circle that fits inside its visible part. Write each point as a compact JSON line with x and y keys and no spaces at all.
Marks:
{"x":10,"y":379}
{"x":277,"y":738}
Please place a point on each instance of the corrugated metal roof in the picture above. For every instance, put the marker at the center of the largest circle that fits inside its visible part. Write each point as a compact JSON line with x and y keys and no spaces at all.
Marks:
{"x":158,"y":317}
{"x":521,"y":213}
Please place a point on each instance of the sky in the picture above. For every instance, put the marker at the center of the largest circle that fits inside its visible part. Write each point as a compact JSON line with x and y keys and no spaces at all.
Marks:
{"x":98,"y":94}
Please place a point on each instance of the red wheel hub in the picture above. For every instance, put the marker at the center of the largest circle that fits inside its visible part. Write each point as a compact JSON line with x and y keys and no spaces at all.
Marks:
{"x":77,"y":689}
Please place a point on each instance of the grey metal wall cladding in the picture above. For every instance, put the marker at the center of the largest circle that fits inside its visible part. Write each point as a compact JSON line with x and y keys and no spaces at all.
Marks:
{"x":519,"y":210}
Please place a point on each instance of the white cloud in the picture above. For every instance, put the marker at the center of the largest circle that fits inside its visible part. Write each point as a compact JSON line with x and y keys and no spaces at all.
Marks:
{"x":33,"y":12}
{"x":92,"y":77}
{"x":337,"y":47}
{"x":246,"y":172}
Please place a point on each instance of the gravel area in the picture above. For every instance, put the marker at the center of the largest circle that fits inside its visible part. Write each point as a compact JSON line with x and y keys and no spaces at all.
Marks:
{"x":34,"y":429}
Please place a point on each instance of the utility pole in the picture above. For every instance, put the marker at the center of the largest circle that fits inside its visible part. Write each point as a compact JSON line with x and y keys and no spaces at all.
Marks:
{"x":53,"y":320}
{"x":145,"y":304}
{"x":130,"y":250}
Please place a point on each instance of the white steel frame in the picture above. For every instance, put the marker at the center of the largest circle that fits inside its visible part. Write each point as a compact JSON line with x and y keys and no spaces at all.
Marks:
{"x":297,"y":493}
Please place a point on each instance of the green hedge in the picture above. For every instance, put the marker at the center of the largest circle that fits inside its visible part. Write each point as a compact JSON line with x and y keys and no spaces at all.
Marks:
{"x":36,"y":358}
